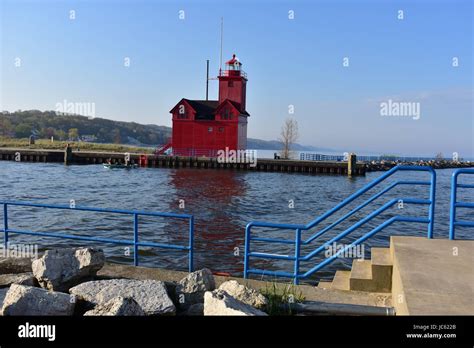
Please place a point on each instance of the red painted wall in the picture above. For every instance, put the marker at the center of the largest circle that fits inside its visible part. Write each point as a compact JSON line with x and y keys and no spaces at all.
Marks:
{"x":233,"y":88}
{"x":203,"y":135}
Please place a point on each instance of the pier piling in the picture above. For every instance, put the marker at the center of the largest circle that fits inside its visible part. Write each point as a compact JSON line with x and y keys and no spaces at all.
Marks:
{"x":68,"y":155}
{"x":351,"y":164}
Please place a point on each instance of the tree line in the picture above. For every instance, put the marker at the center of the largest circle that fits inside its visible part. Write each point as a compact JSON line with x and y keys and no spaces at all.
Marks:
{"x":47,"y":124}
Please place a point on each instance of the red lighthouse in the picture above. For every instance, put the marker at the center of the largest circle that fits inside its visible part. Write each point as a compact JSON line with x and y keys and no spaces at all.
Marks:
{"x":203,"y":127}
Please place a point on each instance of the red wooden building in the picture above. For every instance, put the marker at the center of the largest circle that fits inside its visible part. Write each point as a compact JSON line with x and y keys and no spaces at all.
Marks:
{"x":202,"y":127}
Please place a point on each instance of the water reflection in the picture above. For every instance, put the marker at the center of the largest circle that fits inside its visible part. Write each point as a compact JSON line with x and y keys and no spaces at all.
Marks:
{"x":213,"y":196}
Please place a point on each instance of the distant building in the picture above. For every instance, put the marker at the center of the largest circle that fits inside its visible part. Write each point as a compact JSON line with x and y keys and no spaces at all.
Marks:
{"x":88,"y":138}
{"x":202,"y":127}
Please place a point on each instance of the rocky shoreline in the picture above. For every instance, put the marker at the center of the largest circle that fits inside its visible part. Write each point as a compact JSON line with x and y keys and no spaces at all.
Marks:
{"x":384,"y":165}
{"x":64,"y":282}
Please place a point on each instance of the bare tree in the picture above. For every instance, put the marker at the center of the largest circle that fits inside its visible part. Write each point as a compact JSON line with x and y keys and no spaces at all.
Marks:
{"x":288,"y":136}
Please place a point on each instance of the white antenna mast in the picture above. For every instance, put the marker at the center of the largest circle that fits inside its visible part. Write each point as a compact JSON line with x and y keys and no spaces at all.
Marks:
{"x":222,"y":35}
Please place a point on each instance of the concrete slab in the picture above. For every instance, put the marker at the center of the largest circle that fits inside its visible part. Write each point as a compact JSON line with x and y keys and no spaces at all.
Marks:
{"x":325,"y":285}
{"x":310,"y":293}
{"x":432,"y":276}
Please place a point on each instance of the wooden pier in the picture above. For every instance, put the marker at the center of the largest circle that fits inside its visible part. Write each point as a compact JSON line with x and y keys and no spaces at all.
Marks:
{"x":154,"y":161}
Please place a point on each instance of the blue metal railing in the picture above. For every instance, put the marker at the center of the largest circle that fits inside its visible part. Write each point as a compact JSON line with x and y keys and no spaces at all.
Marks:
{"x":135,"y":242}
{"x":455,"y":204}
{"x":298,"y":228}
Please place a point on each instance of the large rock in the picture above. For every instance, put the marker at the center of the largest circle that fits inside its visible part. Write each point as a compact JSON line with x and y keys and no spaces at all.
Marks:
{"x":118,"y":306}
{"x":244,"y":294}
{"x":60,"y":269}
{"x":191,"y":289}
{"x":27,"y":300}
{"x":3,"y":293}
{"x":10,"y":265}
{"x":219,"y":302}
{"x":22,"y":278}
{"x":151,"y":295}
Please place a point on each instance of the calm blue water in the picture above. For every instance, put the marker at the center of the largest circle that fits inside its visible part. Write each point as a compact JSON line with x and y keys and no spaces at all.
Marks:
{"x":223,"y":202}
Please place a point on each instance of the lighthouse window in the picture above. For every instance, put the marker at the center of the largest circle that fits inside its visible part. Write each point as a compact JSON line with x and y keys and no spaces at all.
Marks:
{"x":209,"y":129}
{"x":227,"y":115}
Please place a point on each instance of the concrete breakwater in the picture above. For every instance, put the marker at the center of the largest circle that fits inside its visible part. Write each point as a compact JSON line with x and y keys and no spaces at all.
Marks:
{"x":264,"y":165}
{"x":156,"y":161}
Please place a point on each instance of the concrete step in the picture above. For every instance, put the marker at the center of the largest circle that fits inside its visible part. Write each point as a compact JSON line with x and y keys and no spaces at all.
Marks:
{"x":361,"y":276}
{"x":341,"y":280}
{"x":324,"y":284}
{"x":382,"y":268}
{"x":381,"y":256}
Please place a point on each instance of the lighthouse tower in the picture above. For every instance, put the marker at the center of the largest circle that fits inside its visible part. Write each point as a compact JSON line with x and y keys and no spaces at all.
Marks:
{"x":203,"y":127}
{"x":233,"y":83}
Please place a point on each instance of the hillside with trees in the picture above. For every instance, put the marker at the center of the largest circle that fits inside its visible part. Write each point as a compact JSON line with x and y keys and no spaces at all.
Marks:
{"x":47,"y":124}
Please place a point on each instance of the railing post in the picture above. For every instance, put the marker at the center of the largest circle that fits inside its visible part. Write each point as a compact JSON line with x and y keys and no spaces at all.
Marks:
{"x":432,"y":205}
{"x":246,"y":251}
{"x":297,"y":256}
{"x":5,"y":224}
{"x":452,"y":213}
{"x":135,"y":239}
{"x":191,"y":244}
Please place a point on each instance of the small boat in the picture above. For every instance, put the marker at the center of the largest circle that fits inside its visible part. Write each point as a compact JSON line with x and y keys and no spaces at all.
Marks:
{"x":120,"y":166}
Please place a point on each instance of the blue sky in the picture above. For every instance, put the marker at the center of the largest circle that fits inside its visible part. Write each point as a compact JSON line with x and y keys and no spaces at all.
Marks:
{"x":288,"y":61}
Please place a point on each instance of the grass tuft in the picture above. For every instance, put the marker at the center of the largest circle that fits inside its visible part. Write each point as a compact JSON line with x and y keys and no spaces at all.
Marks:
{"x":280,"y":296}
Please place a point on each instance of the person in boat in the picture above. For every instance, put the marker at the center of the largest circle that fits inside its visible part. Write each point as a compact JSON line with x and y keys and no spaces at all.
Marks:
{"x":109,"y":161}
